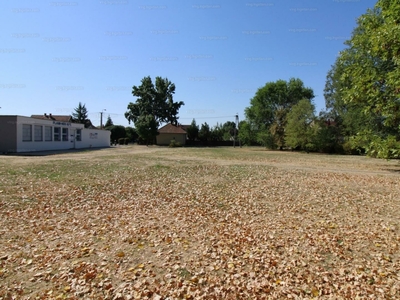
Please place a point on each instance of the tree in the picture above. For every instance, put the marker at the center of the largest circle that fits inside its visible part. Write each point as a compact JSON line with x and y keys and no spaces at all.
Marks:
{"x":109,"y":122}
{"x":154,"y":101}
{"x":229,"y":130}
{"x":301,"y":126}
{"x":131,"y":133}
{"x":216,"y":133}
{"x":117,"y":132}
{"x":344,"y":119}
{"x":246,"y":133}
{"x":269,"y":107}
{"x":370,"y":65}
{"x":80,"y":115}
{"x":146,"y":128}
{"x":204,"y":133}
{"x":193,"y":131}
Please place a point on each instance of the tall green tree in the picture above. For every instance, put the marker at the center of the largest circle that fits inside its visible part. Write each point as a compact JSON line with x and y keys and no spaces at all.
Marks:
{"x":217,"y":133}
{"x":193,"y":131}
{"x":205,"y":132}
{"x":229,"y":130}
{"x":155,"y":101}
{"x":109,"y":122}
{"x":301,"y":126}
{"x":269,"y":107}
{"x":370,"y":66}
{"x":80,"y":114}
{"x":246,"y":134}
{"x":344,"y":119}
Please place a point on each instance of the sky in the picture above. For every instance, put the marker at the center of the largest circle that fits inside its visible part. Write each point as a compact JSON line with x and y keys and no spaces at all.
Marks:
{"x":55,"y":54}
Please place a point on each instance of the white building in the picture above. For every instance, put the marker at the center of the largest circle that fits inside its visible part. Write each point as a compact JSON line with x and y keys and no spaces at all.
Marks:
{"x":27,"y":134}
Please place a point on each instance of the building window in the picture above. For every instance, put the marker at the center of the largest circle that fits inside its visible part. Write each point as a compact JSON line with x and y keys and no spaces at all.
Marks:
{"x":57,"y":134}
{"x":79,"y":135}
{"x":38,"y":133}
{"x":65,"y":134}
{"x":26,"y":133}
{"x":47,"y":133}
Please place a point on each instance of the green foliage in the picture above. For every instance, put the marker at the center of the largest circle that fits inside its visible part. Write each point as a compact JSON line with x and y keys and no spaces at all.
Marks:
{"x":131,"y":133}
{"x":301,"y":126}
{"x":146,"y":128}
{"x":328,"y":138}
{"x":193,"y":131}
{"x":265,"y":138}
{"x":109,"y":122}
{"x":246,"y":134}
{"x":204,"y":133}
{"x":117,"y":132}
{"x":269,"y":107}
{"x":217,"y":133}
{"x":174,"y":144}
{"x":376,"y":146}
{"x":121,"y":141}
{"x":155,"y":100}
{"x":80,"y":114}
{"x":370,"y":76}
{"x":154,"y":105}
{"x":229,"y":130}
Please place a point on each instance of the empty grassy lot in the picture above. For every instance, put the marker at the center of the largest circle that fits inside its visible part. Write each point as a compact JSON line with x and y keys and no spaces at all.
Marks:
{"x":189,"y":223}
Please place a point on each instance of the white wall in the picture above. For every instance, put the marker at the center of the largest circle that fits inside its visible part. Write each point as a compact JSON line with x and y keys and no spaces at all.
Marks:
{"x":89,"y":137}
{"x":92,"y":138}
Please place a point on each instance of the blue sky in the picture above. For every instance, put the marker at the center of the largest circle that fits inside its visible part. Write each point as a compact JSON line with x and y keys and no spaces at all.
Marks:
{"x":55,"y":54}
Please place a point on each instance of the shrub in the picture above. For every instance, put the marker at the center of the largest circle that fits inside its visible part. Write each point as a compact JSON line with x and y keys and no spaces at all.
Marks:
{"x":174,"y":144}
{"x":121,"y":141}
{"x":126,"y":141}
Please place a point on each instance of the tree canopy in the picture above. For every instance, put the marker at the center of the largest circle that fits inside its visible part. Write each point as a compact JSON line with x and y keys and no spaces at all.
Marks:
{"x":301,"y":127}
{"x":109,"y":122}
{"x":370,"y":77}
{"x":80,"y":114}
{"x":269,"y":107}
{"x":154,"y":105}
{"x":193,"y":131}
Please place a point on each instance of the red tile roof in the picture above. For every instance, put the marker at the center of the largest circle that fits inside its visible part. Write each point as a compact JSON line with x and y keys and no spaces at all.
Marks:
{"x":169,"y":128}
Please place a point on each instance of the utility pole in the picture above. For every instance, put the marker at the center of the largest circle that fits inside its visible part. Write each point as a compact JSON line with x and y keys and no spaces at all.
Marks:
{"x":237,"y":129}
{"x":234,"y":130}
{"x":101,"y":118}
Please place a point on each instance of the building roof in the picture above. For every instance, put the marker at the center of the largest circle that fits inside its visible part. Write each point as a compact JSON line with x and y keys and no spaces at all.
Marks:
{"x":62,"y":118}
{"x":184,"y":127}
{"x":59,"y":118}
{"x":169,"y":128}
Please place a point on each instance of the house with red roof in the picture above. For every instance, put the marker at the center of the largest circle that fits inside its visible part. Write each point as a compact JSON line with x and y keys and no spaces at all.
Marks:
{"x":170,"y":132}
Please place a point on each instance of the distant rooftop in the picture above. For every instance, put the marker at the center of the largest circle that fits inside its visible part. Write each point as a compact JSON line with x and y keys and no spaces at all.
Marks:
{"x":169,"y":128}
{"x":59,"y":118}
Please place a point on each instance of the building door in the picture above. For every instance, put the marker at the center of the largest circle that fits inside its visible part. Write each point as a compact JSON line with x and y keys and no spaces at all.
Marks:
{"x":72,"y":138}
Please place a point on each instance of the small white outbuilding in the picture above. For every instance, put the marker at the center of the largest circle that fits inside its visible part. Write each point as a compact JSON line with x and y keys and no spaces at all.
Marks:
{"x":29,"y":134}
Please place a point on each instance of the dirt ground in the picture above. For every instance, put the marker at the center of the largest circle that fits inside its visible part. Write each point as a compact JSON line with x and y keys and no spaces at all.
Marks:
{"x":136,"y":222}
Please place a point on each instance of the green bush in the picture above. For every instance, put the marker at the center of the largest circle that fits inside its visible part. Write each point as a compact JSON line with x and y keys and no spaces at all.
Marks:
{"x":126,"y":141}
{"x":174,"y":144}
{"x":349,"y":148}
{"x":121,"y":141}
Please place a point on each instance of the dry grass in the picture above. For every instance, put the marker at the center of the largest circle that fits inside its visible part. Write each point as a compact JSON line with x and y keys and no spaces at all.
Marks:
{"x":187,"y":223}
